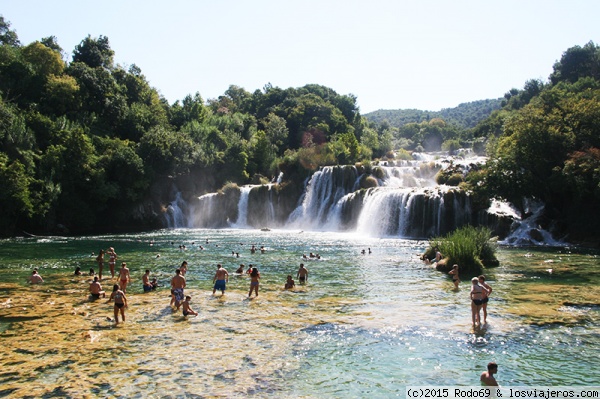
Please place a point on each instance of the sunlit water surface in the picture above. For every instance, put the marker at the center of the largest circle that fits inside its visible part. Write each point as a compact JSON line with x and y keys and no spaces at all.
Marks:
{"x":364,"y":325}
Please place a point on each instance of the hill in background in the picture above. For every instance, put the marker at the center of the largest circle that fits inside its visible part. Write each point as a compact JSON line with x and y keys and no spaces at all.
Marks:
{"x":465,"y":115}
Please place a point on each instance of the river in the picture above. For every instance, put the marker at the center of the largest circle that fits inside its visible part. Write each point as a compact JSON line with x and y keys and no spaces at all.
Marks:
{"x":363,"y":325}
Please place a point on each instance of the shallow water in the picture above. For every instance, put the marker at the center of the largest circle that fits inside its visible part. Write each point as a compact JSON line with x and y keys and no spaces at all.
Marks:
{"x":364,"y":325}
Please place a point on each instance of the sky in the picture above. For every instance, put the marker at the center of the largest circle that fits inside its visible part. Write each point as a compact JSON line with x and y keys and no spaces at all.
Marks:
{"x":390,"y":54}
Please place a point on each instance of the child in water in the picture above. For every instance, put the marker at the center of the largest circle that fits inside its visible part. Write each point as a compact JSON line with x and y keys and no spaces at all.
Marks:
{"x":187,"y":309}
{"x":289,"y":284}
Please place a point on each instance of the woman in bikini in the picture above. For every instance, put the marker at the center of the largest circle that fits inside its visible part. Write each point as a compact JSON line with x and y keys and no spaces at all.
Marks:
{"x":112,"y":260}
{"x":120,"y":300}
{"x":254,"y":278}
{"x":477,"y":293}
{"x":454,"y":274}
{"x":486,"y":296}
{"x":124,"y":277}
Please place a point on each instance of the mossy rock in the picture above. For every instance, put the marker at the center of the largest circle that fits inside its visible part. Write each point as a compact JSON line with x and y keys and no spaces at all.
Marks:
{"x":368,"y":182}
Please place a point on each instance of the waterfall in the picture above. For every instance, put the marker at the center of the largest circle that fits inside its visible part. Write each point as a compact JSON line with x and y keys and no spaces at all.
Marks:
{"x":388,"y":199}
{"x":242,"y":219}
{"x":206,"y":211}
{"x":528,"y":232}
{"x":324,"y":190}
{"x":175,"y":216}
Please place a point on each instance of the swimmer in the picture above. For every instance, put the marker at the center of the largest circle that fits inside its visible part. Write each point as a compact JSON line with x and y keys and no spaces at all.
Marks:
{"x":289,"y":284}
{"x":240,"y":269}
{"x":35,"y":278}
{"x":77,"y":271}
{"x":487,"y":377}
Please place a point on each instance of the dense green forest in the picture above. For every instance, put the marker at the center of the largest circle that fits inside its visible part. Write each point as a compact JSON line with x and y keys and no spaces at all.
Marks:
{"x":87,"y":145}
{"x":465,"y":116}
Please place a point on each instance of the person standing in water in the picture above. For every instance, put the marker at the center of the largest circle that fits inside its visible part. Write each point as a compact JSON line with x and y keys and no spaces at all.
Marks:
{"x":254,"y":281}
{"x":454,"y":274}
{"x":177,"y":286}
{"x":486,"y":296}
{"x":112,"y":260}
{"x":124,"y":277}
{"x":100,"y":261}
{"x":220,"y":279}
{"x":477,"y":292}
{"x":302,"y":274}
{"x":487,"y":377}
{"x":184,"y":268}
{"x":120,"y":300}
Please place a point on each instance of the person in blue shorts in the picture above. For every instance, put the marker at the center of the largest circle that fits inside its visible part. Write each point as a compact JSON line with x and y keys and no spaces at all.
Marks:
{"x":220,"y":279}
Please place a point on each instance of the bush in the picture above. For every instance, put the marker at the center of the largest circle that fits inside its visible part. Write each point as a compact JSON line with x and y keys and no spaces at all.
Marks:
{"x":455,"y":179}
{"x":469,"y":247}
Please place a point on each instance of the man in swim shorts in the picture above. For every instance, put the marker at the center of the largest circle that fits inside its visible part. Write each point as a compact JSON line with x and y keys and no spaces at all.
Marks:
{"x":302,"y":274}
{"x":96,"y":289}
{"x":147,"y":285}
{"x":177,"y":286}
{"x":221,"y":277}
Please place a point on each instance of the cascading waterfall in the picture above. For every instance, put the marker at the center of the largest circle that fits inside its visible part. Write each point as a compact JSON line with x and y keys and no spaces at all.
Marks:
{"x":206,"y":211}
{"x":323,"y":192}
{"x":175,"y":216}
{"x":242,"y":219}
{"x":394,"y":199}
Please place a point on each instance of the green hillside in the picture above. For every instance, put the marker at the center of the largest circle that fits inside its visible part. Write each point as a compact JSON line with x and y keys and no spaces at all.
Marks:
{"x":465,"y":115}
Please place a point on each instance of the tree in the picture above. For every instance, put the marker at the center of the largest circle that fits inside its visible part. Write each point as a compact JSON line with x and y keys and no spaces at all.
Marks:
{"x":7,"y":36}
{"x":44,"y":60}
{"x":275,"y":128}
{"x":577,"y":62}
{"x":94,"y":52}
{"x":61,"y":95}
{"x":190,"y":109}
{"x":52,"y":43}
